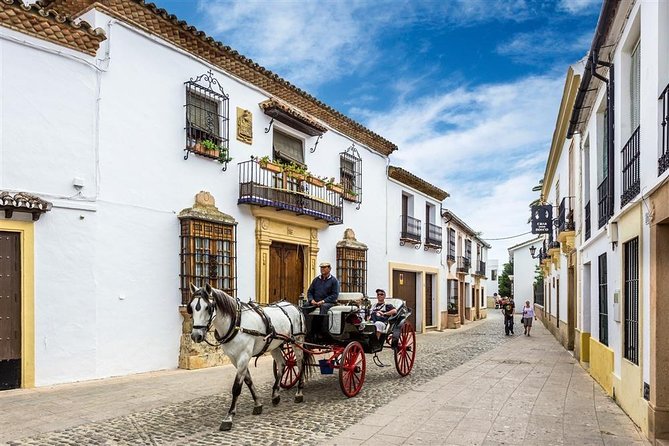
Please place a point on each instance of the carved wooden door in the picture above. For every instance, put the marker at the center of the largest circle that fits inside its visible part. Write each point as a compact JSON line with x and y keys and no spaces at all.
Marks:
{"x":10,"y":310}
{"x":286,"y":272}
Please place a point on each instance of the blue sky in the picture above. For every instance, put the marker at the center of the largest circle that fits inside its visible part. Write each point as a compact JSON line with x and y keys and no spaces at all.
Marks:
{"x":468,"y":89}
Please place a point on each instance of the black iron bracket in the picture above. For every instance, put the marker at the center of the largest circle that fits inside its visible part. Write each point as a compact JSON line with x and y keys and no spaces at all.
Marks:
{"x":268,"y":128}
{"x":313,"y":149}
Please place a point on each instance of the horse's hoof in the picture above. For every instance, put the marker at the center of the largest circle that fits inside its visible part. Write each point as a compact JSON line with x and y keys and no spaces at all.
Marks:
{"x":225,"y":426}
{"x":299,"y":398}
{"x":276,"y":400}
{"x":257,"y":410}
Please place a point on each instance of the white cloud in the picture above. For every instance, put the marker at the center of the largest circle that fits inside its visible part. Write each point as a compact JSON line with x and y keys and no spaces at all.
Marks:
{"x":579,"y":6}
{"x":534,"y":47}
{"x":486,"y":145}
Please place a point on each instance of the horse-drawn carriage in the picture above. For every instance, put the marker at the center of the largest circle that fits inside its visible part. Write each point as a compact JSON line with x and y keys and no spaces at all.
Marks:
{"x":294,"y":337}
{"x":345,"y":334}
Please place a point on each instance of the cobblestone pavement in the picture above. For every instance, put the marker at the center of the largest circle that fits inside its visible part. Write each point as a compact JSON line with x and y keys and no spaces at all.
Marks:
{"x":325,"y":412}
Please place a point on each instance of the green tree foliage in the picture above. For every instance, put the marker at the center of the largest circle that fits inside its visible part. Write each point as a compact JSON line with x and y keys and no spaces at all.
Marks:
{"x":504,"y":281}
{"x":538,"y":277}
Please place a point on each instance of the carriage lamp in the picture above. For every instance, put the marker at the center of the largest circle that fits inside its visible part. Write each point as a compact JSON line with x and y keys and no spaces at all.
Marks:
{"x":533,"y":251}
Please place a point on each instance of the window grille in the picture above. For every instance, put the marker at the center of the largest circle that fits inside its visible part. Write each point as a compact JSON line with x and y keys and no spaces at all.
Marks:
{"x":603,"y":302}
{"x":468,"y":250}
{"x":350,"y":174}
{"x":352,"y":269}
{"x":451,"y":245}
{"x":631,"y":351}
{"x":208,"y":255}
{"x":207,"y":116}
{"x":452,"y":306}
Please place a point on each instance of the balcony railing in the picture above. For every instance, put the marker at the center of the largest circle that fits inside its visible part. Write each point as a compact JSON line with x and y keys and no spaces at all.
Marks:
{"x":663,"y":160}
{"x":587,"y":220}
{"x":260,"y":187}
{"x":631,"y":167}
{"x":463,"y":264}
{"x":603,"y":203}
{"x":480,"y":269}
{"x":566,"y":215}
{"x":410,"y":230}
{"x":433,"y":237}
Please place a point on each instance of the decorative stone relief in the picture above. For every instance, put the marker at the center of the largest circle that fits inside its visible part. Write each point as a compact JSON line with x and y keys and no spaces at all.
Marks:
{"x":244,"y":126}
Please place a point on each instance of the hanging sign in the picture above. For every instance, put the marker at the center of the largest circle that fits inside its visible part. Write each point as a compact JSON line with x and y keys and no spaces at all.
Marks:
{"x":542,"y":217}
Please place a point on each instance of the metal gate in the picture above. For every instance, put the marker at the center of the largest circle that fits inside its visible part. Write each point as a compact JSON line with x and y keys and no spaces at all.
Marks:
{"x":10,"y":310}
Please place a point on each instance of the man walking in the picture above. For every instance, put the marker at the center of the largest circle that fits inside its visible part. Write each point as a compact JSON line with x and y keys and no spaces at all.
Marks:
{"x":508,"y":308}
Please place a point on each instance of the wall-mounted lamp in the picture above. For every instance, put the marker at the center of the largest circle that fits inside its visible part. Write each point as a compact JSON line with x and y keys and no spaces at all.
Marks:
{"x":533,"y":251}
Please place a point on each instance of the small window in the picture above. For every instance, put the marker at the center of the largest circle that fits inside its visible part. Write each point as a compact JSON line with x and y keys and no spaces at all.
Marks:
{"x":352,"y":269}
{"x":493,"y":274}
{"x":350,"y":174}
{"x":288,"y":148}
{"x":207,"y":256}
{"x":207,"y":117}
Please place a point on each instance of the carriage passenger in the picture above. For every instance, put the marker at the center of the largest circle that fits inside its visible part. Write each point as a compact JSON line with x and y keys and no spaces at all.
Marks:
{"x":324,"y":289}
{"x":381,"y":311}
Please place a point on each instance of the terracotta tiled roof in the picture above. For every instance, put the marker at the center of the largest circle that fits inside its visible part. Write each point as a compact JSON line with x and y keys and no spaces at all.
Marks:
{"x":48,"y":25}
{"x":417,"y":183}
{"x":268,"y":105}
{"x":23,"y":202}
{"x":157,"y":21}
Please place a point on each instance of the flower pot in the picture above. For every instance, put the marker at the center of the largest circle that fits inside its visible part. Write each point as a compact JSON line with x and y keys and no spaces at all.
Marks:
{"x":350,"y":196}
{"x":335,"y":188}
{"x":315,"y":181}
{"x":271,"y":167}
{"x":296,"y":176}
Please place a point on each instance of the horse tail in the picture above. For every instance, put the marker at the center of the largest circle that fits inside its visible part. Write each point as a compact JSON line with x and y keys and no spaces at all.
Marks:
{"x":308,"y":362}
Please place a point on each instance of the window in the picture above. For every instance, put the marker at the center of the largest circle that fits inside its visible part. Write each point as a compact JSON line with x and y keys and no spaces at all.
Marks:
{"x":635,"y":87}
{"x":288,"y":148}
{"x":350,"y":174}
{"x":632,"y":301}
{"x":468,"y":250}
{"x":451,"y":244}
{"x":207,"y":116}
{"x":452,"y":306}
{"x":493,"y":274}
{"x":207,"y":256}
{"x":352,"y":269}
{"x":603,"y":302}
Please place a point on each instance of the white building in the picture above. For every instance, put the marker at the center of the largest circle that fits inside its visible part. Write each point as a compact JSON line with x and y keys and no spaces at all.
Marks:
{"x":492,"y":273}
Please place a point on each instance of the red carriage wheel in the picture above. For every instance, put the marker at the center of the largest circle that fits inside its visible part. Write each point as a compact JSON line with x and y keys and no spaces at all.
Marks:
{"x":405,"y":352}
{"x":291,"y":373}
{"x":352,"y":369}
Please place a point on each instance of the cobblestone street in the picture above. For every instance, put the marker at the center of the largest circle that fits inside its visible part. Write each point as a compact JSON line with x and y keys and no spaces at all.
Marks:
{"x":325,"y":416}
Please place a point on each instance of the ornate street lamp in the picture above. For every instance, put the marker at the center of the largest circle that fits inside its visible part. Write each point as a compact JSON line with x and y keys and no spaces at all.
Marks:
{"x":533,"y":251}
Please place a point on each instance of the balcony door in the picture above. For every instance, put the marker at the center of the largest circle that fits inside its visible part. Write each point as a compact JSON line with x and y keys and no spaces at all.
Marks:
{"x":286,"y":272}
{"x":429,"y":298}
{"x":404,"y":287}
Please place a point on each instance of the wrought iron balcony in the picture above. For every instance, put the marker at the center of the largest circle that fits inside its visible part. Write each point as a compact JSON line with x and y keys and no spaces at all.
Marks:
{"x":603,"y":203}
{"x":433,"y":237}
{"x":587,"y":220}
{"x":411,"y":232}
{"x":566,"y":215}
{"x":463,"y":264}
{"x":631,"y":168}
{"x":480,"y":269}
{"x":663,"y":160}
{"x":283,"y":191}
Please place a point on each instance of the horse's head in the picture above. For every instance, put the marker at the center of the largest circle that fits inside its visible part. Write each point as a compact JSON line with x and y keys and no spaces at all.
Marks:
{"x":202,"y":307}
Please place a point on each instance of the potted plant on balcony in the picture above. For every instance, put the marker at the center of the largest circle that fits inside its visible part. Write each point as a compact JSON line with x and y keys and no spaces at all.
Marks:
{"x":334,"y":187}
{"x":224,"y":156}
{"x":267,"y":164}
{"x":209,"y":148}
{"x":350,"y":195}
{"x":296,"y":171}
{"x":314,"y":180}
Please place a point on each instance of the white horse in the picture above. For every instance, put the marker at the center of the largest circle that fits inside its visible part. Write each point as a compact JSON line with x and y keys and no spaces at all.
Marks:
{"x":244,"y":332}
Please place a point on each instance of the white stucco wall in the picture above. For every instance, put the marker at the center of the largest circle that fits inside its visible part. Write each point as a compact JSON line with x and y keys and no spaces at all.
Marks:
{"x":523,"y":273}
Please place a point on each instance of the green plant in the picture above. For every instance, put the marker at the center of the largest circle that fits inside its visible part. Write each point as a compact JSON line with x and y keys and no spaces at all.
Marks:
{"x":224,"y":156}
{"x":210,"y":145}
{"x":295,"y":168}
{"x":264,"y":160}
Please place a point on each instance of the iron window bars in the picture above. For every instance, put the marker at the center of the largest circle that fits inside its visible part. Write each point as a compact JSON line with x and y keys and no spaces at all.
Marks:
{"x":631,"y":168}
{"x":480,"y":269}
{"x":631,"y":351}
{"x":566,"y":215}
{"x":433,"y":237}
{"x":463,"y":264}
{"x":603,"y":301}
{"x":663,"y":160}
{"x":410,"y":231}
{"x":207,"y":117}
{"x":587,"y":220}
{"x":352,"y":269}
{"x":208,"y":255}
{"x":350,"y":174}
{"x":451,"y":245}
{"x":604,"y":208}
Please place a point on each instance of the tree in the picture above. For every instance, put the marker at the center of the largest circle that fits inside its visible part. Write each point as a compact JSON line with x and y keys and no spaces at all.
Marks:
{"x":504,"y":282}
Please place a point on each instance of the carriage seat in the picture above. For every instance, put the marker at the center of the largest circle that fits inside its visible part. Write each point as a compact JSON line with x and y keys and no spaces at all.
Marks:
{"x":349,"y":298}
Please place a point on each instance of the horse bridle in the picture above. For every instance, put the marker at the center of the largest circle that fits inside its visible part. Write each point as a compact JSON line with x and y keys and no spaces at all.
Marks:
{"x":211,"y":306}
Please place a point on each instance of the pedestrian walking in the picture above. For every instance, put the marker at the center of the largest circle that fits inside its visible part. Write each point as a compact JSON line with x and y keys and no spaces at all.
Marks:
{"x":507,"y":308}
{"x":528,"y":316}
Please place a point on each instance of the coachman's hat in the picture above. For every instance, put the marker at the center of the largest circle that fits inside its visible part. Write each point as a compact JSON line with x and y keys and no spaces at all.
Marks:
{"x":324,"y":264}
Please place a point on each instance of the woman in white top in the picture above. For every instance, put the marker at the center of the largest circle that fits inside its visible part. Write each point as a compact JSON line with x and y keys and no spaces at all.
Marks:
{"x":528,"y":315}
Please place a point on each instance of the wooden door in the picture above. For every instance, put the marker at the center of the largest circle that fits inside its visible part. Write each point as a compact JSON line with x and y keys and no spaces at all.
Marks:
{"x":10,"y":310}
{"x":286,"y":272}
{"x":429,"y":317}
{"x":571,"y":310}
{"x":404,"y":287}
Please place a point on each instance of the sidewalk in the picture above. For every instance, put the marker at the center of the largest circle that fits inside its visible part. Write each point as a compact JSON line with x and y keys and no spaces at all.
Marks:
{"x":529,"y":391}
